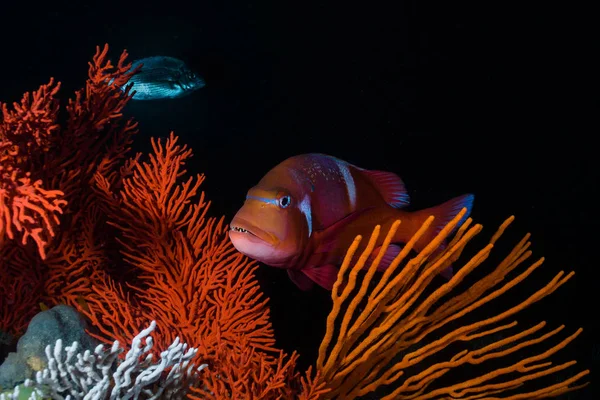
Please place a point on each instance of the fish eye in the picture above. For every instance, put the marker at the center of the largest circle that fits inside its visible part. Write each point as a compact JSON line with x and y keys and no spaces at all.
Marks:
{"x":285,"y":201}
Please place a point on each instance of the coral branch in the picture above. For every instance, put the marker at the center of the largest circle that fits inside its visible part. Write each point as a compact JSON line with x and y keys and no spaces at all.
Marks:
{"x":31,"y":125}
{"x":100,"y":375}
{"x":26,"y":133}
{"x":399,"y":318}
{"x":21,"y":285}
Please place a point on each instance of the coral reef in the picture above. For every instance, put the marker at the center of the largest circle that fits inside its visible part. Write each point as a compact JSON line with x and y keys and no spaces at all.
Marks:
{"x":128,"y":239}
{"x":59,"y":323}
{"x":73,"y":374}
{"x":47,"y":169}
{"x":135,"y":242}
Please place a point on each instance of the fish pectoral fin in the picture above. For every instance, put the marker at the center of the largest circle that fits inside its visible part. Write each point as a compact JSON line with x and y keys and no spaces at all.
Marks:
{"x":448,"y":273}
{"x":301,"y":280}
{"x":390,"y":186}
{"x":327,"y":237}
{"x":390,"y":254}
{"x":324,"y":275}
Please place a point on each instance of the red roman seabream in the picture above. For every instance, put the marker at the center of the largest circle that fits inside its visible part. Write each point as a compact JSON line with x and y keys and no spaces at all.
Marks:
{"x":305,"y":213}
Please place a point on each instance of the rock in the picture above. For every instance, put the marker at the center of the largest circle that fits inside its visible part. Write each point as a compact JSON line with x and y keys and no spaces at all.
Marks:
{"x":60,"y":322}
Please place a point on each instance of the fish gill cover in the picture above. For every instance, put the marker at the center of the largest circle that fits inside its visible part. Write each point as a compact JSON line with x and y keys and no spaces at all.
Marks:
{"x":128,"y":239}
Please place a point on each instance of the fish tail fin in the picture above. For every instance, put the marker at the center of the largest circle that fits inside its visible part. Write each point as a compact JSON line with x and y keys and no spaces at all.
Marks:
{"x":443,"y":214}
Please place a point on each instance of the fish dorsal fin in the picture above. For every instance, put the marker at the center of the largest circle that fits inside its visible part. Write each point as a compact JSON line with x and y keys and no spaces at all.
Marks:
{"x":390,"y":186}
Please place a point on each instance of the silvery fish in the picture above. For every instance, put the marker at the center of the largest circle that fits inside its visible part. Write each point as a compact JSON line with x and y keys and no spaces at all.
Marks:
{"x":162,"y":77}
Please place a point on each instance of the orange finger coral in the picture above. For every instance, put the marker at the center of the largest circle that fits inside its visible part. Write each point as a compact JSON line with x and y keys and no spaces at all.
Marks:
{"x":391,"y":333}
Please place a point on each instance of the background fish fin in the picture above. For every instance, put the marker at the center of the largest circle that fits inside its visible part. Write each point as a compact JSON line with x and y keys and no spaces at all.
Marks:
{"x":301,"y":280}
{"x":391,"y":252}
{"x":391,"y":187}
{"x":324,"y":275}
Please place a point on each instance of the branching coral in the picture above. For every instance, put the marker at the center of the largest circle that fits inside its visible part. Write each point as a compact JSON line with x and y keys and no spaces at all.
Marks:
{"x":136,"y":244}
{"x":188,"y":277}
{"x":26,"y":133}
{"x":401,"y":315}
{"x":46,"y":169}
{"x":73,"y":374}
{"x":21,"y":278}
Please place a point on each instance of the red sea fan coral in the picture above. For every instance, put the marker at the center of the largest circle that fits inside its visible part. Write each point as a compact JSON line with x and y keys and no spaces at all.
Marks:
{"x":30,"y":126}
{"x":187,"y":271}
{"x":27,"y":207}
{"x":26,"y":134}
{"x":189,"y":279}
{"x":36,"y":153}
{"x":21,"y":282}
{"x":135,"y":242}
{"x":46,"y":169}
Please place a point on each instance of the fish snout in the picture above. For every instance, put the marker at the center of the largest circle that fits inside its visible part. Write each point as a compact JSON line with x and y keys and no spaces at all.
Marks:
{"x":241,"y":228}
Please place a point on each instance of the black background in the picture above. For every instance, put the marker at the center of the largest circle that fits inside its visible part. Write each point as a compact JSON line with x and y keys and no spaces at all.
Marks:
{"x":453,"y":98}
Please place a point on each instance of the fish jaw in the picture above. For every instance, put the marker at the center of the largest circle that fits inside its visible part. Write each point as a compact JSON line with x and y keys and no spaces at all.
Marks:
{"x":256,"y":243}
{"x":249,"y":239}
{"x":253,"y":232}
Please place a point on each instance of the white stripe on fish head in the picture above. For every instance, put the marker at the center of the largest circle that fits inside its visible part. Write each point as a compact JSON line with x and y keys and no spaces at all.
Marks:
{"x":304,"y":206}
{"x":348,"y":180}
{"x":306,"y":209}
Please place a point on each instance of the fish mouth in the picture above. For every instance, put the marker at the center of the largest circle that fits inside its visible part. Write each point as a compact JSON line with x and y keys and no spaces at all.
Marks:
{"x":242,"y":227}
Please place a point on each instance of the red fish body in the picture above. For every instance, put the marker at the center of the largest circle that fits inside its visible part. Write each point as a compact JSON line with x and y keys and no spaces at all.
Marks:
{"x":305,"y":213}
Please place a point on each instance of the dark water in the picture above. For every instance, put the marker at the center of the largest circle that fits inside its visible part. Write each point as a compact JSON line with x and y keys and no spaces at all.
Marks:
{"x":455,"y":99}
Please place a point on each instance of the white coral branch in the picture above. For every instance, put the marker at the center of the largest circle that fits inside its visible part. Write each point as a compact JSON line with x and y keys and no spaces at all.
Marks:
{"x":71,"y":375}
